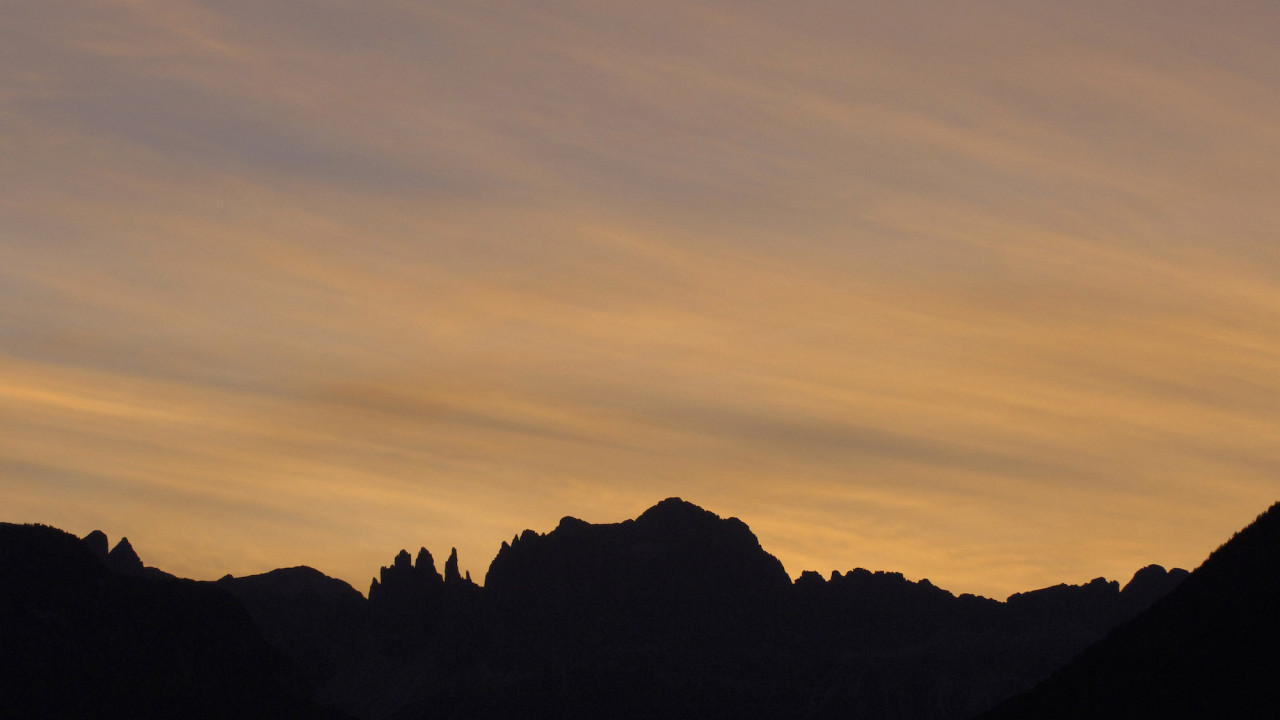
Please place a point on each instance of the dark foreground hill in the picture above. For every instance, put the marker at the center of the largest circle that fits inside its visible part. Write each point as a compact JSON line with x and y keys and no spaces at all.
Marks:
{"x":88,"y":634}
{"x":676,"y":614}
{"x":1210,"y":649}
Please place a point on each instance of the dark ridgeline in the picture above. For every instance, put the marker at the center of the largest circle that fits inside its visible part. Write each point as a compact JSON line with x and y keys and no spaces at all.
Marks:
{"x":89,"y":634}
{"x":678,"y":613}
{"x":1209,"y":649}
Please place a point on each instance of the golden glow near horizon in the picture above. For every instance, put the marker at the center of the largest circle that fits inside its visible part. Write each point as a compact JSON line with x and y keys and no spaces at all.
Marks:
{"x":988,"y":294}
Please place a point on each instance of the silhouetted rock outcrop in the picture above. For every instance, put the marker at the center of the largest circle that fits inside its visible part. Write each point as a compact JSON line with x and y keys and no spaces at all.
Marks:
{"x":124,"y":560}
{"x":415,"y":612}
{"x":96,"y":541}
{"x":1208,"y":649}
{"x":451,"y":574}
{"x":1148,"y":585}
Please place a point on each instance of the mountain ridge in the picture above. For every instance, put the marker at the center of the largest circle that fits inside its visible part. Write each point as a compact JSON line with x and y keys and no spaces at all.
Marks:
{"x":677,"y":612}
{"x":88,"y":635}
{"x":1208,"y":648}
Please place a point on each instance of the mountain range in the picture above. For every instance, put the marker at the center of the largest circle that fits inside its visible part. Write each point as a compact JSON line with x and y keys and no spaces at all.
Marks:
{"x":677,"y":613}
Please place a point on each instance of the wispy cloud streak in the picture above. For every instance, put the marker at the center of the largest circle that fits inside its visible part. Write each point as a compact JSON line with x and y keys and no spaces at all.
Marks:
{"x":985,"y":294}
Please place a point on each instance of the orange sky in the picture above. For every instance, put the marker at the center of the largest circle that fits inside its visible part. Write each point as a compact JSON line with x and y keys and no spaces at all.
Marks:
{"x":987,"y":293}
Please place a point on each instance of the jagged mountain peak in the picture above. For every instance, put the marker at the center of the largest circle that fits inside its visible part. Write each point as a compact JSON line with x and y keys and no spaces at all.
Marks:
{"x":403,"y":560}
{"x":424,"y":562}
{"x":124,"y":559}
{"x":451,"y":574}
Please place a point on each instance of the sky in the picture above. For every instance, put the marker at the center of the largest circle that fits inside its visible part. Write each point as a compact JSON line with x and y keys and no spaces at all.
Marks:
{"x":986,"y":293}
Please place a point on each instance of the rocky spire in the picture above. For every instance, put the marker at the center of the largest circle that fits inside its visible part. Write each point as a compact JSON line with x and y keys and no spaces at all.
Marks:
{"x":424,"y":561}
{"x":451,"y":574}
{"x":403,"y":561}
{"x":123,"y":559}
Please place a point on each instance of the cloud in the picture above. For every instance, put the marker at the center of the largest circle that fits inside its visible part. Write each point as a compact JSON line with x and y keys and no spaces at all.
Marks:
{"x":900,"y":286}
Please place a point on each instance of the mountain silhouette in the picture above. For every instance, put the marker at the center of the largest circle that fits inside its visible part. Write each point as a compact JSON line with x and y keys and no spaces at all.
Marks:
{"x":1208,"y":649}
{"x":673,"y":613}
{"x":677,"y":613}
{"x":681,"y":613}
{"x":81,"y":640}
{"x":675,"y":570}
{"x":319,"y":623}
